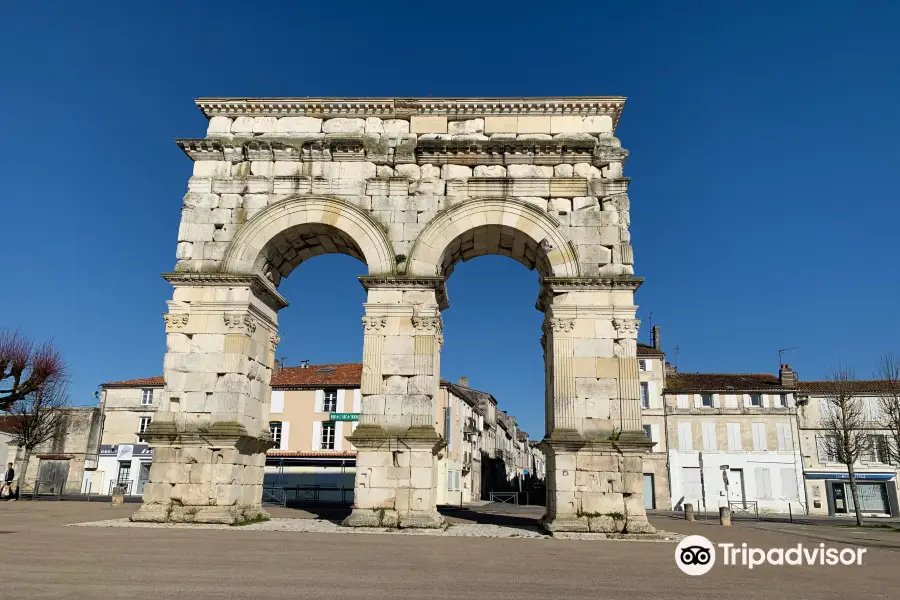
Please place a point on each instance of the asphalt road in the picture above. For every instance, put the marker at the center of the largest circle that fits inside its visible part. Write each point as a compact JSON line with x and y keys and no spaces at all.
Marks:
{"x":41,"y":558}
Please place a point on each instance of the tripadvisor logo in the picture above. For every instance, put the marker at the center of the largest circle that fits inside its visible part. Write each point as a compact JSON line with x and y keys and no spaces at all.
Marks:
{"x":696,"y":555}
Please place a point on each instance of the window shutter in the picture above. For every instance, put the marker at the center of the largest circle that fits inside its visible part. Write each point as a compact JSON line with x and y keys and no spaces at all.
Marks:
{"x":340,"y":400}
{"x":822,"y":449}
{"x":277,"y":403}
{"x":731,"y":401}
{"x":317,"y":435}
{"x":785,"y":439}
{"x":654,"y":436}
{"x":339,"y":427}
{"x":709,"y":436}
{"x":320,"y":401}
{"x":685,"y":441}
{"x":734,"y":437}
{"x":789,"y":484}
{"x":285,"y":434}
{"x":357,"y":399}
{"x":763,"y":483}
{"x":682,"y":401}
{"x":448,"y":431}
{"x":759,"y":436}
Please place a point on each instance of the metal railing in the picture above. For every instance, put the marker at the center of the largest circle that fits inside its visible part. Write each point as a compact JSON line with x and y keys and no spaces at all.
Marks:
{"x":744,"y":508}
{"x":122,"y":486}
{"x":274,"y":496}
{"x":505,"y":497}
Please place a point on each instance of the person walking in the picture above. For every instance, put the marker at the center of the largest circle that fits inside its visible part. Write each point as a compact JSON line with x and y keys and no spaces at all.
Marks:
{"x":6,"y":484}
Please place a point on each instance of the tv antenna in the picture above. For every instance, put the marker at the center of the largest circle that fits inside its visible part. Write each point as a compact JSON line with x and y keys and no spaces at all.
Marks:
{"x":781,"y":352}
{"x":676,"y":354}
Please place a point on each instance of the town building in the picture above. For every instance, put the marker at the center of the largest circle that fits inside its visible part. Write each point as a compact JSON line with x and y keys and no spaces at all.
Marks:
{"x":826,"y":480}
{"x":652,"y":375}
{"x":60,"y":465}
{"x":312,"y":410}
{"x":732,"y":437}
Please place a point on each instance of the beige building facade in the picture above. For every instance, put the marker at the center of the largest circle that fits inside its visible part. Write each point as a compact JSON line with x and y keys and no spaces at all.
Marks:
{"x":827,"y":481}
{"x":410,"y":187}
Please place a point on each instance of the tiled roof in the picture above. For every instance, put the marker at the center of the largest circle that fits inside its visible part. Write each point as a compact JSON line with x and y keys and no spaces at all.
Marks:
{"x":310,"y":454}
{"x":854,"y":386}
{"x":145,"y":382}
{"x":473,"y":398}
{"x":645,"y":350}
{"x":7,"y":422}
{"x":723,"y":382}
{"x":315,"y":376}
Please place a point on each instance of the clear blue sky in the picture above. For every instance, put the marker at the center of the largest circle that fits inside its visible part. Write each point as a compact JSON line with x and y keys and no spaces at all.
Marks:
{"x":764,"y":158}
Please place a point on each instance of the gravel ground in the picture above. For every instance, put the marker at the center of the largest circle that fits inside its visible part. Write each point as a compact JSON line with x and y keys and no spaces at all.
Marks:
{"x":325,"y":526}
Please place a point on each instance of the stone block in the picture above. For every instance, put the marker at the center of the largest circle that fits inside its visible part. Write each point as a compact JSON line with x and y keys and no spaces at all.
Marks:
{"x":194,"y":200}
{"x":466,"y":127}
{"x":597,"y":124}
{"x":588,"y":387}
{"x":396,"y":384}
{"x":632,"y":464}
{"x":298,"y":125}
{"x":582,"y":202}
{"x":396,"y":126}
{"x":593,"y":348}
{"x":563,"y":171}
{"x":607,"y":236}
{"x":427,"y":124}
{"x":265,"y":124}
{"x":212,"y":168}
{"x":455,"y":172}
{"x":490,"y":171}
{"x":533,"y":124}
{"x":592,"y":253}
{"x":598,"y":503}
{"x":588,"y":171}
{"x":528,"y":171}
{"x":531,"y":187}
{"x":230,"y":200}
{"x":344,"y":125}
{"x":413,"y":172}
{"x":539,"y":202}
{"x":398,"y":364}
{"x":263,"y":168}
{"x":598,"y":462}
{"x":587,"y":217}
{"x":430,"y":172}
{"x":560,"y":205}
{"x":500,"y":125}
{"x":421,"y":477}
{"x":374,"y":125}
{"x":568,"y":187}
{"x":218,"y":126}
{"x":566,"y":124}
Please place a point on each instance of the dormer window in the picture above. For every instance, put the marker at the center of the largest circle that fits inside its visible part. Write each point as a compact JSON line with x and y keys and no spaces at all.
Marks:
{"x":756,"y":400}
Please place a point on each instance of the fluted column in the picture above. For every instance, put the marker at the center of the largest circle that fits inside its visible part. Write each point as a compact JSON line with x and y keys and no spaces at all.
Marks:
{"x":625,"y":350}
{"x":372,"y":382}
{"x":563,"y":373}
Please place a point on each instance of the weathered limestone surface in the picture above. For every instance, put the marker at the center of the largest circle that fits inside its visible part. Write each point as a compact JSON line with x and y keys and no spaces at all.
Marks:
{"x":410,"y":187}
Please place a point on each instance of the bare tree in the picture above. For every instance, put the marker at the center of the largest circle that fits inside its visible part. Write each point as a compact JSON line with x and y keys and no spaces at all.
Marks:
{"x":37,"y":418}
{"x":24,"y":367}
{"x":845,"y":418}
{"x":889,"y":402}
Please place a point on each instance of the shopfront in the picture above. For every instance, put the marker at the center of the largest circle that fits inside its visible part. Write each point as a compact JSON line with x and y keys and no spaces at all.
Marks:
{"x":124,"y":466}
{"x":877,"y":493}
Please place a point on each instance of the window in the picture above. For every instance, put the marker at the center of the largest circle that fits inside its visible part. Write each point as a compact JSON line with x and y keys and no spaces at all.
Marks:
{"x":785,"y":436}
{"x":685,"y":437}
{"x":788,"y":484}
{"x":642,"y":365}
{"x":645,"y":394}
{"x":763,"y":483}
{"x":706,"y":400}
{"x":709,"y":436}
{"x":124,"y":471}
{"x":327,"y":435}
{"x":734,"y":437}
{"x":648,"y":429}
{"x":755,"y":399}
{"x":878,"y":451}
{"x":759,"y":436}
{"x":143,"y":423}
{"x":146,"y":397}
{"x":828,"y":448}
{"x":275,"y":430}
{"x":329,"y":401}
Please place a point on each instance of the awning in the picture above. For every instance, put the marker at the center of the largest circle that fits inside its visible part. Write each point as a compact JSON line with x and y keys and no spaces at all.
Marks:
{"x":846,"y":476}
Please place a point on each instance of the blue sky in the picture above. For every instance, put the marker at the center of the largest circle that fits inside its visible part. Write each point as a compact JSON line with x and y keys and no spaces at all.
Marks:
{"x":764,"y":160}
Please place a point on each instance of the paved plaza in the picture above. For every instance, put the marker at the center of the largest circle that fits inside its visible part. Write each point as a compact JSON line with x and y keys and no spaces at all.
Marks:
{"x":43,"y":558}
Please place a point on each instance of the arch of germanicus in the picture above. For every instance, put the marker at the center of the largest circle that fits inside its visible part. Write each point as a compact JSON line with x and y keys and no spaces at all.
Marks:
{"x":409,"y":187}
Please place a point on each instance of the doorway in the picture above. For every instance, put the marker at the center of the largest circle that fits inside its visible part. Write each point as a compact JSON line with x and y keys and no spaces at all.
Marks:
{"x":649,"y":498}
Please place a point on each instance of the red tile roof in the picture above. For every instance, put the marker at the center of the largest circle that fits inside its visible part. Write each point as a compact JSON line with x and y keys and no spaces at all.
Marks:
{"x":313,"y":376}
{"x":145,"y":382}
{"x":645,"y":350}
{"x":856,"y":386}
{"x":722,"y":382}
{"x":7,"y":422}
{"x":316,"y":376}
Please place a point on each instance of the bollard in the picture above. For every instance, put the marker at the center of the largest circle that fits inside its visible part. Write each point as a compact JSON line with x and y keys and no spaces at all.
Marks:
{"x":688,"y":512}
{"x":725,"y":516}
{"x":118,"y":498}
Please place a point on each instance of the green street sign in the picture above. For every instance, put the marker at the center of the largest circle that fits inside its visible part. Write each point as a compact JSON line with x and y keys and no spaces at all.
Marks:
{"x":343,"y":416}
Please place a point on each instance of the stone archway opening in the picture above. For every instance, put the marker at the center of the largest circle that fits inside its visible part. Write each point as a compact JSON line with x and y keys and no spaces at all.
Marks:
{"x":287,"y":250}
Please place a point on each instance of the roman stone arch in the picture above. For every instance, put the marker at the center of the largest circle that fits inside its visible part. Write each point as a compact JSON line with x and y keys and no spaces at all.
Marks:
{"x":507,"y":226}
{"x":410,"y":187}
{"x":349,"y":229}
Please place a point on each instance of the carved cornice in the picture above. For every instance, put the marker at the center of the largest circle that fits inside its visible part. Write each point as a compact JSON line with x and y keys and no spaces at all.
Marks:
{"x":176,"y":321}
{"x":406,"y":107}
{"x":406,"y":148}
{"x":374,"y":323}
{"x":424,"y":325}
{"x":551,"y":286}
{"x":393,"y":282}
{"x":259,"y":286}
{"x":239,"y":321}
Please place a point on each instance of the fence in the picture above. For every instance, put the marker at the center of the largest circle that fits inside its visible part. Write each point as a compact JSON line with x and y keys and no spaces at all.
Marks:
{"x":744,"y":509}
{"x":122,"y":486}
{"x":505,"y":497}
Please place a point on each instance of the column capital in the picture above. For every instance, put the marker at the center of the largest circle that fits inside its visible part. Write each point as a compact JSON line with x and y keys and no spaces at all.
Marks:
{"x":373,"y":324}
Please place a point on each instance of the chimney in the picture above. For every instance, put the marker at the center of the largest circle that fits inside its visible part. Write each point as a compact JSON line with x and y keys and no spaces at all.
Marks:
{"x":787,"y":377}
{"x":463,"y":381}
{"x":654,"y":335}
{"x":670,"y":370}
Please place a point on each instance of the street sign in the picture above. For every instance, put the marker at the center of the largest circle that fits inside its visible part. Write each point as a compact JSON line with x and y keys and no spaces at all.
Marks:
{"x":724,"y":467}
{"x":343,"y":416}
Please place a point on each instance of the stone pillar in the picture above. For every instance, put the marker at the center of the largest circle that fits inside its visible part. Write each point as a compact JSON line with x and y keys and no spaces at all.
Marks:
{"x":396,"y":441}
{"x":594,"y":442}
{"x":211,"y":433}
